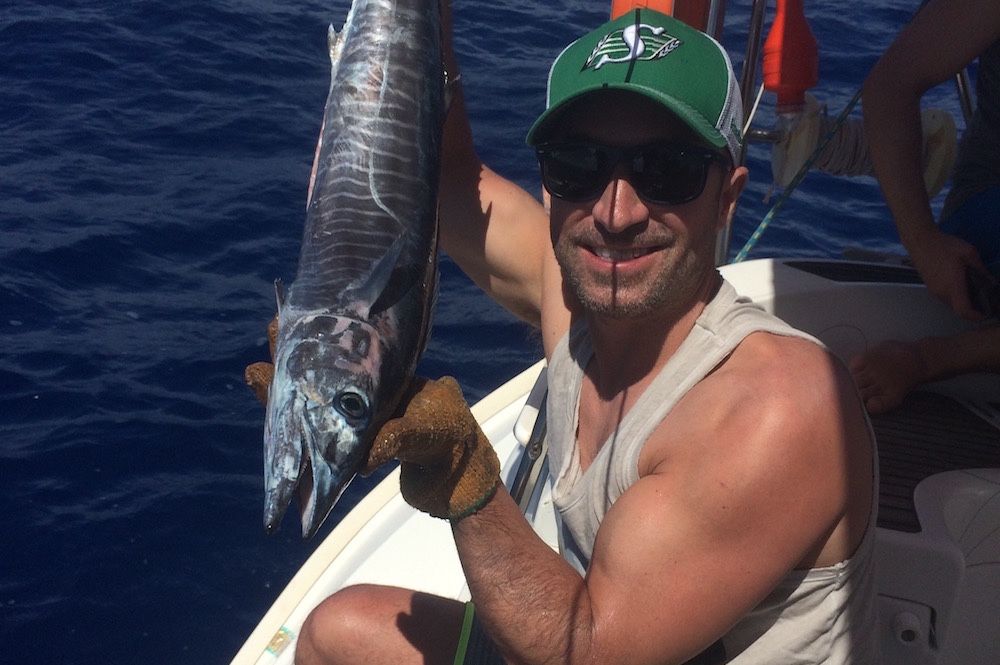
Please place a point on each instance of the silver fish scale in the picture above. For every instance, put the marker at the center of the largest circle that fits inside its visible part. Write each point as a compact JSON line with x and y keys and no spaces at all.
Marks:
{"x":356,"y":318}
{"x":374,"y":176}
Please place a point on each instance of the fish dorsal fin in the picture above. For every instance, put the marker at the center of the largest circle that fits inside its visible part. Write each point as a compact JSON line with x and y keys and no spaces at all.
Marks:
{"x":369,"y":288}
{"x":279,"y":294}
{"x":450,"y":89}
{"x":335,"y":43}
{"x":335,"y":40}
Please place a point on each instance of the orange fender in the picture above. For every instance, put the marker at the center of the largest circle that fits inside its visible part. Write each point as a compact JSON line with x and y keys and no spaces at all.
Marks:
{"x":791,"y":57}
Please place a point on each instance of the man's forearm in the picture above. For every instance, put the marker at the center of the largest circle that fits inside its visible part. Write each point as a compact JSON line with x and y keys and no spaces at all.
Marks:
{"x":893,"y":128}
{"x":535,"y":605}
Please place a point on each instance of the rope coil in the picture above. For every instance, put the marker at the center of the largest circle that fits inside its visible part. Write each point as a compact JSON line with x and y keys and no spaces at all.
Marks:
{"x":843,"y":151}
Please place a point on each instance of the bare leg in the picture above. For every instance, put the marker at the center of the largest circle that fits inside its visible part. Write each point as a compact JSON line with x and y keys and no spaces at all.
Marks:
{"x":378,"y":624}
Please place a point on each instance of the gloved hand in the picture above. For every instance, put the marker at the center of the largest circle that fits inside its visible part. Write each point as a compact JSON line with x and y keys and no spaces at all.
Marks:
{"x":259,"y":375}
{"x":448,"y":467}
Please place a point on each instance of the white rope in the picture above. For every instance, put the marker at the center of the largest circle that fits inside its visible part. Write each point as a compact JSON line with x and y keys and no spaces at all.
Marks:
{"x":847,"y":152}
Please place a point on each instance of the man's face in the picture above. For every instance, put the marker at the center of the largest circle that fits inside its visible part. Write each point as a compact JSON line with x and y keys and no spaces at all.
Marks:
{"x":622,"y":255}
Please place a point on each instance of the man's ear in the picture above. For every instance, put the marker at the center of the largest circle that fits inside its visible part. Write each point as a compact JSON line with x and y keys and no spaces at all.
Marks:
{"x":732,"y":187}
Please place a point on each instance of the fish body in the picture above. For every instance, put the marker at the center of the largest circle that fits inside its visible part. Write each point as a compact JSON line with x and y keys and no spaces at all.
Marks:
{"x":356,"y":319}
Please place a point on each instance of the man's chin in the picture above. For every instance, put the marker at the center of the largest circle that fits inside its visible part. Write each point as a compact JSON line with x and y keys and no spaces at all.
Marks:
{"x":617,"y":306}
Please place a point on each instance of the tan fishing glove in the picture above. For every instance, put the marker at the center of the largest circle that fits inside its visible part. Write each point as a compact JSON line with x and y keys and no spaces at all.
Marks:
{"x":448,"y":467}
{"x":259,"y":375}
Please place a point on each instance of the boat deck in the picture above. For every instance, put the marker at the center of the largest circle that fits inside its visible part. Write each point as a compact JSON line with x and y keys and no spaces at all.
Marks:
{"x":929,"y":433}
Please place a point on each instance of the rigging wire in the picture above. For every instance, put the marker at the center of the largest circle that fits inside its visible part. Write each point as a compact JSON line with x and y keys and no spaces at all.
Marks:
{"x":753,"y":110}
{"x":820,"y":147}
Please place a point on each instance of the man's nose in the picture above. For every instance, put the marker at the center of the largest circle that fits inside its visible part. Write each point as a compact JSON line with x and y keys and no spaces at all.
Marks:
{"x":620,"y":206}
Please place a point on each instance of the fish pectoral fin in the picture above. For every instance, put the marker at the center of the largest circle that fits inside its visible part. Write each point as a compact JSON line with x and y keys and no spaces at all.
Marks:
{"x":369,"y":289}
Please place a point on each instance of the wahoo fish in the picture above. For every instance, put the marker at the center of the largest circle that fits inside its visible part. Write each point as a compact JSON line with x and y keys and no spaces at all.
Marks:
{"x":356,"y":319}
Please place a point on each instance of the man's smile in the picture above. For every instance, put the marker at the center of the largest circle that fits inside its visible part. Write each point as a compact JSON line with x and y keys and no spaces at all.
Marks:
{"x":622,"y":253}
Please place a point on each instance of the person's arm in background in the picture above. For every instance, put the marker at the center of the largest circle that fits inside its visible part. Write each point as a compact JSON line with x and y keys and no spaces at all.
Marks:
{"x":943,"y":38}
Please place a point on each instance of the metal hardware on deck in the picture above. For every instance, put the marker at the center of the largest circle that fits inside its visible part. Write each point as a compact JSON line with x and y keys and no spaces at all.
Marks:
{"x":763,"y":136}
{"x":529,"y":468}
{"x":965,"y":94}
{"x":536,"y":478}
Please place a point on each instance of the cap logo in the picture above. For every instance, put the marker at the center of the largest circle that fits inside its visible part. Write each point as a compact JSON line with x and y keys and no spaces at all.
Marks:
{"x":634,"y":42}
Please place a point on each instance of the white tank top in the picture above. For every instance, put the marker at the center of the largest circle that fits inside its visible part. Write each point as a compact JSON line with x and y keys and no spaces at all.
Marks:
{"x":824,"y":615}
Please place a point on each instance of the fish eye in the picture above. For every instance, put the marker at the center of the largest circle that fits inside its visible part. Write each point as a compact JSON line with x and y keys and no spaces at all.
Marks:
{"x":352,"y":405}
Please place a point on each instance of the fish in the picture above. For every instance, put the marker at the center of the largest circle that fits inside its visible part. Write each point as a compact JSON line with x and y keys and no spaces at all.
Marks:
{"x":356,"y":319}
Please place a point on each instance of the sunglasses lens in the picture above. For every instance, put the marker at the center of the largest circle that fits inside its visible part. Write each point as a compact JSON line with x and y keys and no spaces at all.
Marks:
{"x":661,"y":172}
{"x":669,"y":173}
{"x":574,"y":171}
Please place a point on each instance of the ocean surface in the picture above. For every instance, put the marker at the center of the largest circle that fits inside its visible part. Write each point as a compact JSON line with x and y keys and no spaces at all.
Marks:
{"x":154,"y":158}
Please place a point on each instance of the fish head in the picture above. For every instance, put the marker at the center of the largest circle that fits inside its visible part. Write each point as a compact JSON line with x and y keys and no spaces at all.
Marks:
{"x":320,"y":416}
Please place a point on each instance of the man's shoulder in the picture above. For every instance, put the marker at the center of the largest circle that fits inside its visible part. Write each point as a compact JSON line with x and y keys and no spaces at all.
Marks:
{"x":775,"y":396}
{"x":777,"y":366}
{"x":777,"y":427}
{"x":798,"y":396}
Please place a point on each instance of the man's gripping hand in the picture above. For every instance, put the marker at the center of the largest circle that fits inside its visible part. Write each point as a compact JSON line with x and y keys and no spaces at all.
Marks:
{"x":259,"y":375}
{"x":448,"y":467}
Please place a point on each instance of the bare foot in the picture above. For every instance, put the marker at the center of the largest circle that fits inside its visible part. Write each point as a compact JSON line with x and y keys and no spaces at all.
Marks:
{"x":886,"y":373}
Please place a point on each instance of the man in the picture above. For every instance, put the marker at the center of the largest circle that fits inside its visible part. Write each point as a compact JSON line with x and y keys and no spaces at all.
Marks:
{"x":714,"y":468}
{"x":959,"y":259}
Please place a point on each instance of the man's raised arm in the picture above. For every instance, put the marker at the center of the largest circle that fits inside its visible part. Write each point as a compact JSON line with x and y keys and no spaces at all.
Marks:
{"x":494,"y":230}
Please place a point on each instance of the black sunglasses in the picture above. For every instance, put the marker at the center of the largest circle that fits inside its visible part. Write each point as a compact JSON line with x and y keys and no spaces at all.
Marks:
{"x":661,"y":172}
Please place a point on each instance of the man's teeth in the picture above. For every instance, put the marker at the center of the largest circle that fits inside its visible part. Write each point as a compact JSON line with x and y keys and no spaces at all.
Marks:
{"x":621,"y":254}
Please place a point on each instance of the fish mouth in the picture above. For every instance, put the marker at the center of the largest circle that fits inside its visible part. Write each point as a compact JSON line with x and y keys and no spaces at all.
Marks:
{"x":316,"y":490}
{"x":296,"y":469}
{"x":282,"y":471}
{"x":319,"y":488}
{"x":306,"y":493}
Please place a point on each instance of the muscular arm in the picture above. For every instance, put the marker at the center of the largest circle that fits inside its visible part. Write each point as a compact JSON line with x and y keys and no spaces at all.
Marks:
{"x":942,"y":39}
{"x":730,"y":499}
{"x":494,"y":230}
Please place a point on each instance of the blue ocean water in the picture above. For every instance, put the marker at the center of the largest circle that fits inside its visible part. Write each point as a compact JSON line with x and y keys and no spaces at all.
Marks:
{"x":153,"y":166}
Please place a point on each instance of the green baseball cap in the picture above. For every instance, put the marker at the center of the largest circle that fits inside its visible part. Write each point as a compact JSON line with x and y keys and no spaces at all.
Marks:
{"x":659,"y":57}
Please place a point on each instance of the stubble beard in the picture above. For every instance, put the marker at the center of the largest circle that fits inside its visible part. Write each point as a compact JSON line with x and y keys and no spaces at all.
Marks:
{"x":670,"y":291}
